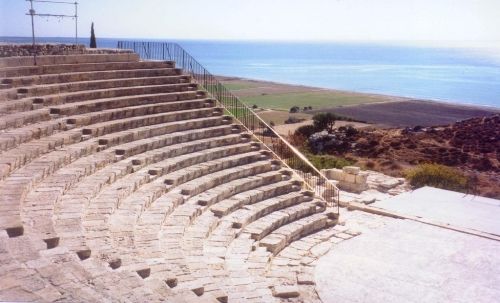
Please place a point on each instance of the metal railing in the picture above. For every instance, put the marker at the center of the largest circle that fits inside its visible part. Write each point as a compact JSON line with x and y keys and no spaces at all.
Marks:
{"x":275,"y":143}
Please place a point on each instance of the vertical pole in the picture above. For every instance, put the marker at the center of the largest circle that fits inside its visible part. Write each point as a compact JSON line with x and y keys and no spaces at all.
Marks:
{"x":76,"y":23}
{"x":32,"y":13}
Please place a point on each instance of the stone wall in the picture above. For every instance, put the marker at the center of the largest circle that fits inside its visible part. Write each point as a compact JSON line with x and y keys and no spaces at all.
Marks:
{"x":19,"y":50}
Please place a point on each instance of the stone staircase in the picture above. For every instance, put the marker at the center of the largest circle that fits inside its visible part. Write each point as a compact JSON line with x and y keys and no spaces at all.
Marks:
{"x":122,"y":181}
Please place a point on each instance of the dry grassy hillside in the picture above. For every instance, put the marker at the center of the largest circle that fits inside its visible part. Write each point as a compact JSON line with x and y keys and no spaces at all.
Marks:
{"x":472,"y":145}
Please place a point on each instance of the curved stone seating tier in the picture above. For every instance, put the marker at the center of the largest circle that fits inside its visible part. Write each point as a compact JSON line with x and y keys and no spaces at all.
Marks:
{"x":122,"y":181}
{"x":77,"y":67}
{"x":23,"y":154}
{"x":130,"y":72}
{"x":72,"y":97}
{"x":20,"y":99}
{"x":69,"y":59}
{"x":12,"y":138}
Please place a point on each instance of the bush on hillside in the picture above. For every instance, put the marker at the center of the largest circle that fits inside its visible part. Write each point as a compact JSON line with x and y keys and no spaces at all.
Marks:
{"x":439,"y":176}
{"x":305,"y":130}
{"x":327,"y":162}
{"x":292,"y":120}
{"x":320,"y":162}
{"x":294,"y":109}
{"x":324,"y":121}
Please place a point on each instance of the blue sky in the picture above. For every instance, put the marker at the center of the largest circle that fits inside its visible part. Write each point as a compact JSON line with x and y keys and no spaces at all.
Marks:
{"x":464,"y":22}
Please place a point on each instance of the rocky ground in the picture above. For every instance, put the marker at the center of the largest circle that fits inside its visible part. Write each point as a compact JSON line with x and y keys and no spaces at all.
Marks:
{"x":472,"y":145}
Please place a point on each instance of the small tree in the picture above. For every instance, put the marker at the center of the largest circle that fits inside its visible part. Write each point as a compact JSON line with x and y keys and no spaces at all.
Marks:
{"x":324,"y":121}
{"x":305,"y":130}
{"x":294,"y":109}
{"x":93,"y":43}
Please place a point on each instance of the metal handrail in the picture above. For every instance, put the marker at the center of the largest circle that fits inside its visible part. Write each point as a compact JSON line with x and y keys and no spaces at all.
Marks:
{"x":251,"y":121}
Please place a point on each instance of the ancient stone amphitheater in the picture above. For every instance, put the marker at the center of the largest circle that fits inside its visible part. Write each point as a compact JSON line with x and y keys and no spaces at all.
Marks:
{"x":122,"y":180}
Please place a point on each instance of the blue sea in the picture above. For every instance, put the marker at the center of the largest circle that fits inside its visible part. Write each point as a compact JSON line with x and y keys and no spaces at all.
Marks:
{"x":455,"y":75}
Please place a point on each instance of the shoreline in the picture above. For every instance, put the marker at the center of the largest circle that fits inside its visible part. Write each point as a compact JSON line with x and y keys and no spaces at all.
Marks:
{"x":377,"y":109}
{"x":393,"y":98}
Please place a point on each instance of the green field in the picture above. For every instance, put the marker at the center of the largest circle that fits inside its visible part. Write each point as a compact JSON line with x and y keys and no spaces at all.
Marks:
{"x":279,"y":117}
{"x":318,"y":99}
{"x":240,"y":85}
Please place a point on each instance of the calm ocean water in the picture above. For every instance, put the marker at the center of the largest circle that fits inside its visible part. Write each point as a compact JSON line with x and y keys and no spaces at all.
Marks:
{"x":453,"y":75}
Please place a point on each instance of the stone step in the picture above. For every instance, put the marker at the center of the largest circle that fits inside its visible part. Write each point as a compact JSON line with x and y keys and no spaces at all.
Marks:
{"x":89,"y":76}
{"x":180,"y":218}
{"x":261,"y":227}
{"x":125,"y":101}
{"x":249,"y":213}
{"x":12,"y":138}
{"x":71,"y":87}
{"x":8,"y":72}
{"x":95,"y":94}
{"x":283,"y":236}
{"x":194,"y":282}
{"x":294,"y":265}
{"x":19,"y":119}
{"x":211,"y":197}
{"x":23,"y":118}
{"x":68,"y":59}
{"x":16,"y":186}
{"x":73,"y":203}
{"x":238,"y":201}
{"x":104,"y":128}
{"x":161,"y":136}
{"x":130,"y":208}
{"x":125,"y":130}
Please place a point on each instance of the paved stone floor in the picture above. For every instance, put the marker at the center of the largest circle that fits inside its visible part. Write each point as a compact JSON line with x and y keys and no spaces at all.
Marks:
{"x":448,"y":207}
{"x":405,"y":261}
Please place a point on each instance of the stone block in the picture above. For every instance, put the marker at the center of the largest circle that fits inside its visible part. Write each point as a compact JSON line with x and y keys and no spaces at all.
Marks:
{"x":349,"y":178}
{"x":362,"y":178}
{"x":336,"y":174}
{"x":353,"y":170}
{"x":305,"y":279}
{"x":352,"y":187}
{"x":389,"y":184}
{"x":286,"y":291}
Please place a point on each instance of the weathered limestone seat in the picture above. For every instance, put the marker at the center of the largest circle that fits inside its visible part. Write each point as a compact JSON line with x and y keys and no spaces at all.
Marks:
{"x":124,"y":181}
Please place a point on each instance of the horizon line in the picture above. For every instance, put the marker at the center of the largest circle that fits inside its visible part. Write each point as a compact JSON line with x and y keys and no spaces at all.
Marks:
{"x":442,"y":43}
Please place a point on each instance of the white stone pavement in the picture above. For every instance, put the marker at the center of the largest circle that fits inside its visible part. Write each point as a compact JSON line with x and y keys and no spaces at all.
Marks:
{"x":448,"y":207}
{"x":406,"y":261}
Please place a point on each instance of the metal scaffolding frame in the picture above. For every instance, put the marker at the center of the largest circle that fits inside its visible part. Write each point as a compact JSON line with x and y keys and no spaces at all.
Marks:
{"x":33,"y":13}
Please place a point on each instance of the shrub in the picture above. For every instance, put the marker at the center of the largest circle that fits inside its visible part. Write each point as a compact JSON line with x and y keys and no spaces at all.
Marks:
{"x":324,"y":121}
{"x":298,"y":140}
{"x":294,"y":109}
{"x":326,"y":162}
{"x":292,"y":120}
{"x":255,"y":106}
{"x":321,"y":162}
{"x":350,"y":131}
{"x":305,"y":130}
{"x":370,"y":164}
{"x":269,"y":130}
{"x":439,"y":176}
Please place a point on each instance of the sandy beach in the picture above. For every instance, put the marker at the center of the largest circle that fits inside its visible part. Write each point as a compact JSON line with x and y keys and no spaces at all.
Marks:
{"x":382,"y":110}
